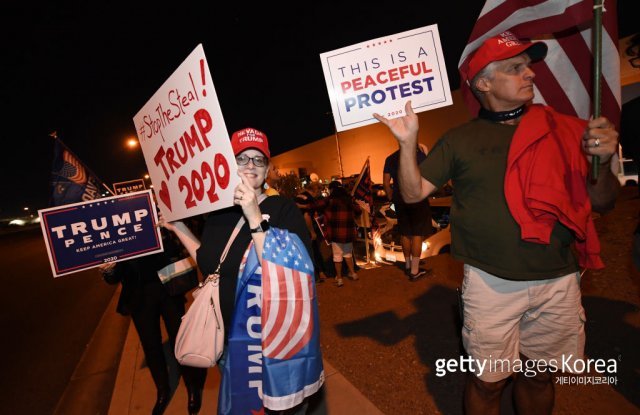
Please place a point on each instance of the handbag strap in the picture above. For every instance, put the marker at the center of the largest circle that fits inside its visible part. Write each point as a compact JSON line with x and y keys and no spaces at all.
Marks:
{"x":235,"y":233}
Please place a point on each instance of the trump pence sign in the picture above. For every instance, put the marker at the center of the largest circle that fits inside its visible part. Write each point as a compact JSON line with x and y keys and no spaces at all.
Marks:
{"x":84,"y":235}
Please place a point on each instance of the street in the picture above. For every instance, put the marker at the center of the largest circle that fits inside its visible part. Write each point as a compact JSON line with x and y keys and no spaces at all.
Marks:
{"x":45,"y":323}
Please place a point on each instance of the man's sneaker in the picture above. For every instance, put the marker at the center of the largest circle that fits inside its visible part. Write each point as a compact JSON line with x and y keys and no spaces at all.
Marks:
{"x":421,"y":273}
{"x":338,"y":282}
{"x":353,"y":277}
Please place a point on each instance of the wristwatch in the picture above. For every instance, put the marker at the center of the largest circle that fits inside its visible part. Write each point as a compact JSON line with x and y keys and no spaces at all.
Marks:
{"x":262,"y":227}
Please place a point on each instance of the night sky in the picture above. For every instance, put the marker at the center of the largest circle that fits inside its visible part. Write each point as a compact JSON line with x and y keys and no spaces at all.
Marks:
{"x":85,"y":70}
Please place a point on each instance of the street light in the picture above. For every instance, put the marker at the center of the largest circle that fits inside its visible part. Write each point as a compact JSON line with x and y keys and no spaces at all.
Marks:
{"x":132,"y":143}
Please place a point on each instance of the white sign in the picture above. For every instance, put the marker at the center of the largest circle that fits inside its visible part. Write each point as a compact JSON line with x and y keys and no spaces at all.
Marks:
{"x":185,"y":143}
{"x":381,"y":75}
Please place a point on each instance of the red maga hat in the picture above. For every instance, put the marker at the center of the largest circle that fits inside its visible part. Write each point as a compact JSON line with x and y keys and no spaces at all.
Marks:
{"x":250,"y":138}
{"x":504,"y":46}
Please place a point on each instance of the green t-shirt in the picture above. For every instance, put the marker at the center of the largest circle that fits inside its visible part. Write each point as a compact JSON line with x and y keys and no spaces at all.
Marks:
{"x":483,"y":232}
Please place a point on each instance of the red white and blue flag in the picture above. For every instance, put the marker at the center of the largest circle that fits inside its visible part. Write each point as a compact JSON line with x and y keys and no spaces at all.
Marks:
{"x":273,"y":357}
{"x":362,"y":189}
{"x":564,"y":79}
{"x":71,"y":181}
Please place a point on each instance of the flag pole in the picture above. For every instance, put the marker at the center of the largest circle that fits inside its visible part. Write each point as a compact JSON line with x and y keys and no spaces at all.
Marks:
{"x":364,"y":166}
{"x":366,"y":217}
{"x":335,"y":133}
{"x":598,"y":6}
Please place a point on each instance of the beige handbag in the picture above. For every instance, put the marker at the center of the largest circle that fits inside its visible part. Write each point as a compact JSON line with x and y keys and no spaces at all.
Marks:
{"x":200,"y":339}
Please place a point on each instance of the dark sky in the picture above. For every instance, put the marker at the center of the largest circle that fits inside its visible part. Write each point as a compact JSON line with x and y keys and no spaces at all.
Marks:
{"x":84,"y":70}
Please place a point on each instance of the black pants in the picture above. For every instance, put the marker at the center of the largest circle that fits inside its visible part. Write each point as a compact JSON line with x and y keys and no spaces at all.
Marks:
{"x":155,"y":304}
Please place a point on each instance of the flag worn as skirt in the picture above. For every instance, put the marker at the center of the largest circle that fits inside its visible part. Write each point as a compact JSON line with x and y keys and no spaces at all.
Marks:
{"x":273,"y":353}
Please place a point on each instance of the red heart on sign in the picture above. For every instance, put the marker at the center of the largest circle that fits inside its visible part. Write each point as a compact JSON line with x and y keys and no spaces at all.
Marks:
{"x":164,"y":195}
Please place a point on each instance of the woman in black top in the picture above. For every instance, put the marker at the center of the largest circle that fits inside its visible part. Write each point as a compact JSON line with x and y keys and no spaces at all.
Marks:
{"x":259,"y":212}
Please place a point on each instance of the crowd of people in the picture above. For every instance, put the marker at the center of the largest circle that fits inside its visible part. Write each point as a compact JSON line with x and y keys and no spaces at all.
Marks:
{"x":517,"y":212}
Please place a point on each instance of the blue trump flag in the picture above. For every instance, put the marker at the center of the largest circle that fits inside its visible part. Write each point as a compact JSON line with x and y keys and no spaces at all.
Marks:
{"x":273,"y":357}
{"x":71,"y":181}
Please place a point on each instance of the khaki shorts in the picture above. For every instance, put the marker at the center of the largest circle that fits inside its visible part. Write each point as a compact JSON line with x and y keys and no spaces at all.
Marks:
{"x":341,"y":250}
{"x":542,"y":320}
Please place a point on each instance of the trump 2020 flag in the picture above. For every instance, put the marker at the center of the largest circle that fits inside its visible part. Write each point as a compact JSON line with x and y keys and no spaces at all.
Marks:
{"x":71,"y":181}
{"x":362,"y":189}
{"x":273,"y":357}
{"x":564,"y":79}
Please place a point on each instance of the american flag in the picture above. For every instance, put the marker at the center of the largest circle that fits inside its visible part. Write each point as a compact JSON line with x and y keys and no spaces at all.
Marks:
{"x":564,"y":79}
{"x":71,"y":181}
{"x":281,"y":364}
{"x":72,"y":169}
{"x":290,"y":328}
{"x":362,"y":188}
{"x":287,"y":290}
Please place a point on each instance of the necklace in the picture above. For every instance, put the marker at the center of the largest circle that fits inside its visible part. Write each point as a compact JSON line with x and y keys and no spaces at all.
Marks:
{"x":500,"y":116}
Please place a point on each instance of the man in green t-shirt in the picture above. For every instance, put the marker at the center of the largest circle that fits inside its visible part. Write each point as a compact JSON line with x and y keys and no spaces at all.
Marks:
{"x":522,"y":198}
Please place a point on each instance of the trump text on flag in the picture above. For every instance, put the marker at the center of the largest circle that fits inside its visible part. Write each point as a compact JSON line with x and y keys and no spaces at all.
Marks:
{"x":185,"y":143}
{"x":380,"y":75}
{"x":86,"y":234}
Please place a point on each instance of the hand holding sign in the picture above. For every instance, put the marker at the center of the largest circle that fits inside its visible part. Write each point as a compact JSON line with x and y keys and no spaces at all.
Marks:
{"x":245,"y":196}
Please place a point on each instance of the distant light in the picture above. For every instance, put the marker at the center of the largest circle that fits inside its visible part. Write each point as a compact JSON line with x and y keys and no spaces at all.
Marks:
{"x":25,"y":208}
{"x":36,"y":220}
{"x":146,"y":176}
{"x":151,"y":186}
{"x":132,"y":143}
{"x":18,"y":222}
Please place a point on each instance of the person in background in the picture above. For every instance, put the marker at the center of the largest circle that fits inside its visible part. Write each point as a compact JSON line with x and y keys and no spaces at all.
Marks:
{"x":306,"y":201}
{"x":341,"y":229}
{"x":522,"y":201}
{"x":147,"y":301}
{"x":414,"y":219}
{"x":252,"y":219}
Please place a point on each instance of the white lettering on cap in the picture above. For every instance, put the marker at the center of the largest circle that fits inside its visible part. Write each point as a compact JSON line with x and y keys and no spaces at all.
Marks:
{"x":251,"y":138}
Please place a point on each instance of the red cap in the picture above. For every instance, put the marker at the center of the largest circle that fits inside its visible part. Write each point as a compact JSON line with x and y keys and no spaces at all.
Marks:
{"x":504,"y":46}
{"x":250,"y":138}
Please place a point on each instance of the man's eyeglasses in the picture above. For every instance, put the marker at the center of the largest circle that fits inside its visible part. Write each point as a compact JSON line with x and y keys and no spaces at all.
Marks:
{"x":258,"y":161}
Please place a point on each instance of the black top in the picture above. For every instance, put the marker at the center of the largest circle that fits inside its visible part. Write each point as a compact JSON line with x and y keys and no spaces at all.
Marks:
{"x":391,"y":165}
{"x":283,"y":214}
{"x":138,"y":272}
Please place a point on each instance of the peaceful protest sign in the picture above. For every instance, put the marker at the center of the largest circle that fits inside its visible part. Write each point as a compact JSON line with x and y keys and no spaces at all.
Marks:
{"x":129,"y":186}
{"x":185,"y":143}
{"x":381,"y":75}
{"x":86,"y":234}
